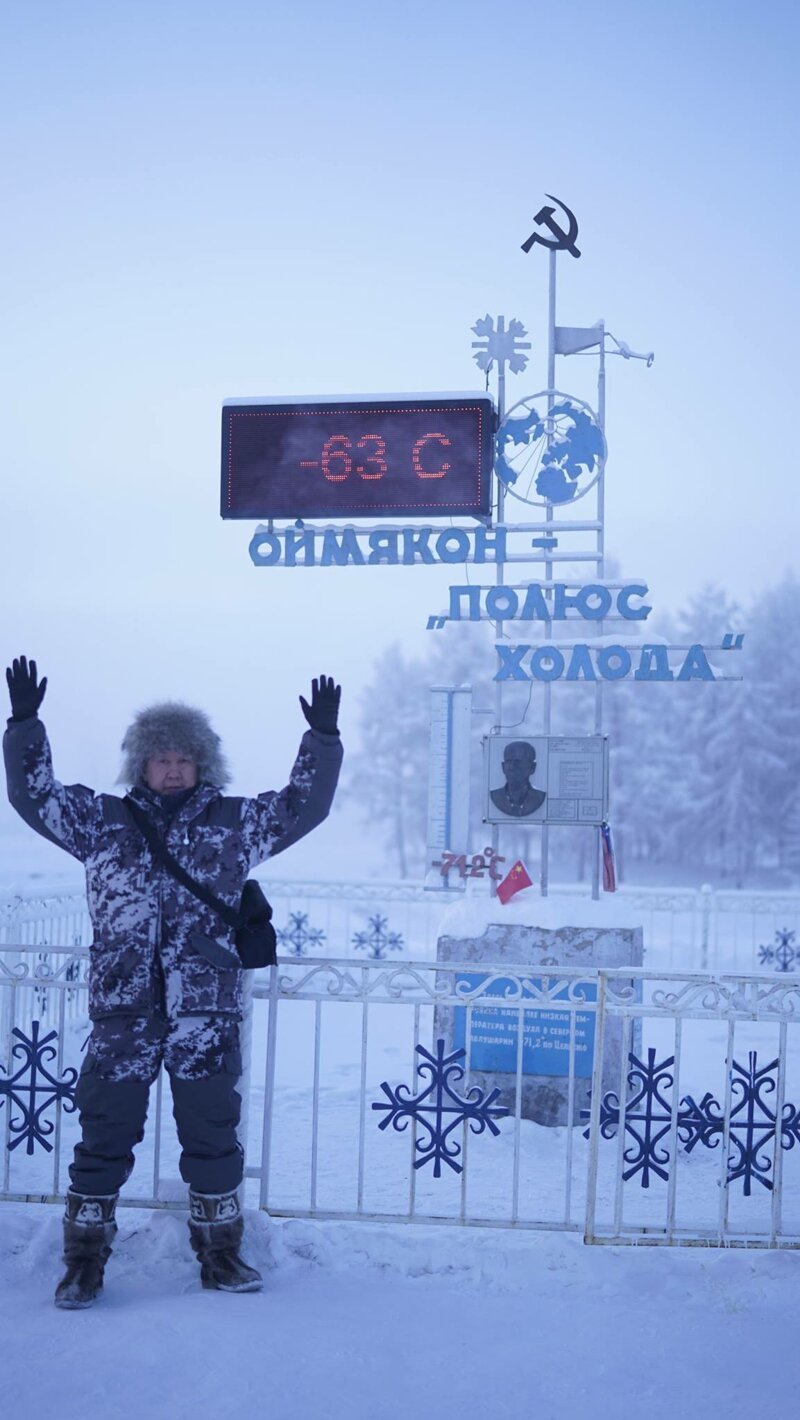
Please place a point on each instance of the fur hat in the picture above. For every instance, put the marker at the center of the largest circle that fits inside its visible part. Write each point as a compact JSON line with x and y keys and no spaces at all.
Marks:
{"x":171,"y":725}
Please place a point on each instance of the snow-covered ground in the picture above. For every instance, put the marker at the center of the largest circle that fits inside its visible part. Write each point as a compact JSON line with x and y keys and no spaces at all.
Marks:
{"x":362,"y":1319}
{"x":365,"y":1321}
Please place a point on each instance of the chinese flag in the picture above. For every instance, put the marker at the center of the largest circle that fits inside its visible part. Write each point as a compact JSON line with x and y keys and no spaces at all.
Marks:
{"x":514,"y":881}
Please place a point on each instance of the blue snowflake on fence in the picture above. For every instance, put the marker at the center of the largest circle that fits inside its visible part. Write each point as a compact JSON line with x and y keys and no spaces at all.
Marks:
{"x":377,"y":940}
{"x":430,"y":1108}
{"x":22,"y":1089}
{"x":647,"y":1118}
{"x":782,"y":951}
{"x":752,"y":1123}
{"x":297,"y":935}
{"x":648,"y":1121}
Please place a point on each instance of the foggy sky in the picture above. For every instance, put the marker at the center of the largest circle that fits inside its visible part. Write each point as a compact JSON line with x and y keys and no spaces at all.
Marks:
{"x":206,"y":201}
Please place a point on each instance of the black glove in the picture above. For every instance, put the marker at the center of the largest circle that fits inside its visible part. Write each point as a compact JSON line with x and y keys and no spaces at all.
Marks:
{"x":26,"y":694}
{"x":324,"y":708}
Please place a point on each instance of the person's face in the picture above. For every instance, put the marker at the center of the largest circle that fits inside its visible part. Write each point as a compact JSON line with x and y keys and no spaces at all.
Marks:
{"x":519,"y":762}
{"x":170,"y":771}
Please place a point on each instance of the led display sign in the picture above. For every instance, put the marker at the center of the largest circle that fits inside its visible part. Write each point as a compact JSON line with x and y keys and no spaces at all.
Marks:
{"x":355,"y":458}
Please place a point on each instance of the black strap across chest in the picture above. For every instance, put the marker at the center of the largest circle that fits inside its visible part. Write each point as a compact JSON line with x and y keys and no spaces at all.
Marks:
{"x":162,"y":855}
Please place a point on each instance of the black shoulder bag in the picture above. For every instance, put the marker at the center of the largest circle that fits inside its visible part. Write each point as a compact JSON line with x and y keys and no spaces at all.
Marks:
{"x":255,"y":937}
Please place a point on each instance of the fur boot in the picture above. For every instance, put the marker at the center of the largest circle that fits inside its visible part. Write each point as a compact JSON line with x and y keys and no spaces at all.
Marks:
{"x":216,"y":1227}
{"x":89,"y":1230}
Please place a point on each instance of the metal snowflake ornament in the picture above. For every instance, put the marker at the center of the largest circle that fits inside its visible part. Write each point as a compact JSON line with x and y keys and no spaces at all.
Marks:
{"x":432,"y":1107}
{"x":752,"y":1127}
{"x":297,"y":935}
{"x":647,"y":1118}
{"x":751,"y":1131}
{"x":377,"y":941}
{"x":500,"y":345}
{"x":21,"y":1090}
{"x":782,"y":951}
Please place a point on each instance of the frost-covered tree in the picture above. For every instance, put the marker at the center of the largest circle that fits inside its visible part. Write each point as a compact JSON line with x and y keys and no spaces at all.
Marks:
{"x":789,"y":839}
{"x":773,"y":669}
{"x":704,"y":776}
{"x":647,"y":769}
{"x":741,"y":739}
{"x":727,"y":819}
{"x":388,"y":775}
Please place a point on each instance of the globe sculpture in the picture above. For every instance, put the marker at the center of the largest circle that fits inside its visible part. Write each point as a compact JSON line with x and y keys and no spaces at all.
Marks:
{"x":549,"y":449}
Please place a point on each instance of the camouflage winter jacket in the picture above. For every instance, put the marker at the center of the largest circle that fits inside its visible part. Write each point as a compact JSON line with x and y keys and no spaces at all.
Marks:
{"x":155,"y":944}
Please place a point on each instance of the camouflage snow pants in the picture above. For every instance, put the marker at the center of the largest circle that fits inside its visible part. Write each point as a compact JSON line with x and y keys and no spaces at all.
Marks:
{"x":202,"y":1057}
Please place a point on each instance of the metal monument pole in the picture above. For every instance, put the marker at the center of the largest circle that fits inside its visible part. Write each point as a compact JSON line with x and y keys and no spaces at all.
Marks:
{"x":601,"y":572}
{"x":501,"y":343}
{"x":572,"y":434}
{"x":547,"y":708}
{"x":499,"y":566}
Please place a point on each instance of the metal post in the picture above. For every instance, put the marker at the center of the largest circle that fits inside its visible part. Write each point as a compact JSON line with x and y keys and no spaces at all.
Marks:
{"x":499,"y":574}
{"x":544,"y":874}
{"x":269,"y":1088}
{"x":601,"y":572}
{"x":601,"y":419}
{"x":706,"y":903}
{"x":246,"y":1049}
{"x":594,"y":1117}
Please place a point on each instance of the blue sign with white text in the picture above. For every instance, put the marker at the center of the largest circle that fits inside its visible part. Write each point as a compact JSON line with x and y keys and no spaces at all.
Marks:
{"x":494,"y":1031}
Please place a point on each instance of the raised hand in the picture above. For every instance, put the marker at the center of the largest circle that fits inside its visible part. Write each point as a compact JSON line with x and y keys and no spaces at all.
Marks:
{"x":24,"y":688}
{"x":323,"y":711}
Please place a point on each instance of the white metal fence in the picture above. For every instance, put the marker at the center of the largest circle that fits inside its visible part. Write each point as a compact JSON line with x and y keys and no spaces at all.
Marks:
{"x":44,"y":1028}
{"x":373,"y":1106}
{"x":699,"y":1141}
{"x":685,"y":929}
{"x":412,"y":1091}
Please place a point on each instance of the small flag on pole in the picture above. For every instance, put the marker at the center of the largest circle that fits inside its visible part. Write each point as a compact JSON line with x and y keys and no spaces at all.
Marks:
{"x":514,"y":881}
{"x":609,"y":867}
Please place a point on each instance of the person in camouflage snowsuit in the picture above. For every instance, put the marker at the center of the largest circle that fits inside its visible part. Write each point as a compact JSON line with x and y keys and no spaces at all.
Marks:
{"x":165,"y":981}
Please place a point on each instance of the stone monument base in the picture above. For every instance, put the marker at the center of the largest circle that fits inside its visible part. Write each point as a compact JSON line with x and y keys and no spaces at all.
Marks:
{"x":493,"y":1045}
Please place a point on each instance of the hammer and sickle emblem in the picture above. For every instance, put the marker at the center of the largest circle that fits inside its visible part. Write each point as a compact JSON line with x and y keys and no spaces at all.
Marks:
{"x":562,"y":241}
